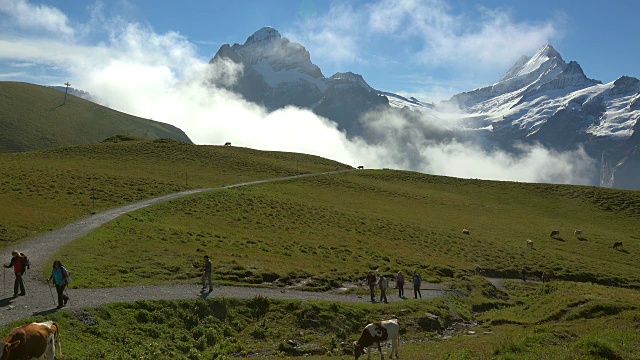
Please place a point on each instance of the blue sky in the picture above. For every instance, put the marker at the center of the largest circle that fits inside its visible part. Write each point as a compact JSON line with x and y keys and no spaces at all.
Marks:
{"x":150,"y":58}
{"x":431,"y":49}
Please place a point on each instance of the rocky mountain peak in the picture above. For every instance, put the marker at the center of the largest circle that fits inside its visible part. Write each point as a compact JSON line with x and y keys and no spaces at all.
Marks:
{"x":547,"y":51}
{"x":267,"y":33}
{"x":352,"y":78}
{"x":545,"y":59}
{"x":625,"y":85}
{"x":271,"y":55}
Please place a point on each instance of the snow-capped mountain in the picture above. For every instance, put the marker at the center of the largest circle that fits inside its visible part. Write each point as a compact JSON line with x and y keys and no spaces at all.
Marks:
{"x":540,"y":99}
{"x":545,"y":100}
{"x":278,"y":72}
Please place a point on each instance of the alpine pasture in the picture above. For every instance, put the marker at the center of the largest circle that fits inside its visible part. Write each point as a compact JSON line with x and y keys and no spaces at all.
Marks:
{"x":324,"y":232}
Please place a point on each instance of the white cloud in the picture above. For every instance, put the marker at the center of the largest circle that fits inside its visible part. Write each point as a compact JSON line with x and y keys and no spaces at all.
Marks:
{"x":535,"y":163}
{"x":454,"y":39}
{"x":435,"y":33}
{"x":160,"y":76}
{"x":334,"y":36}
{"x":39,"y":17}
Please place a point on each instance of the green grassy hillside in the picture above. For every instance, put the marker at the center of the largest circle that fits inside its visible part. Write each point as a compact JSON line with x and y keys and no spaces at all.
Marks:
{"x":332,"y":228}
{"x":50,"y":188}
{"x":328,"y":230}
{"x":34,"y":117}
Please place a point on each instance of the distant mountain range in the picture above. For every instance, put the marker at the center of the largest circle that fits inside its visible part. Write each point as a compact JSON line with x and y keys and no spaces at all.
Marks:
{"x":540,"y":99}
{"x":75,"y":92}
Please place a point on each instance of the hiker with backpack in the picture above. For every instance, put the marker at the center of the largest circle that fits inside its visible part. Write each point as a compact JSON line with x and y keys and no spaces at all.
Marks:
{"x":20,"y":264}
{"x":60,"y":276}
{"x":206,"y":274}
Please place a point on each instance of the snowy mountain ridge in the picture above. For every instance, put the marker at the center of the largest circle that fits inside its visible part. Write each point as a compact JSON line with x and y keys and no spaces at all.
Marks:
{"x":540,"y":99}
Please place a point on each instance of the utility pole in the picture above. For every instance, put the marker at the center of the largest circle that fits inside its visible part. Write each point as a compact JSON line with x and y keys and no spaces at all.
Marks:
{"x":65,"y":92}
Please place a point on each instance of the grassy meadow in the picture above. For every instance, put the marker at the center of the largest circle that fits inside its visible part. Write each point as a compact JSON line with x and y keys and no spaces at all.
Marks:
{"x":50,"y":188}
{"x":330,"y":229}
{"x":557,"y":320}
{"x":319,"y":233}
{"x":35,"y":117}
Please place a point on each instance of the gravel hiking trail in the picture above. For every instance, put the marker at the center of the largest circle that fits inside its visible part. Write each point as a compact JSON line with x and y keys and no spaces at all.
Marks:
{"x":41,"y":299}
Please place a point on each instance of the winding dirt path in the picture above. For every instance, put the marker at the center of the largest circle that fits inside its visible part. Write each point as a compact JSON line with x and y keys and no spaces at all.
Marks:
{"x":40,"y":298}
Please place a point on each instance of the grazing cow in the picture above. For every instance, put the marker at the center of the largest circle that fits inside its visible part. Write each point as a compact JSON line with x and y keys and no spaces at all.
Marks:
{"x":577,"y":233}
{"x":617,"y":245}
{"x":555,"y":233}
{"x":466,"y":231}
{"x":32,"y":341}
{"x":530,"y":243}
{"x":477,"y":268}
{"x":379,"y":331}
{"x":337,"y":168}
{"x":227,"y":144}
{"x":360,"y":167}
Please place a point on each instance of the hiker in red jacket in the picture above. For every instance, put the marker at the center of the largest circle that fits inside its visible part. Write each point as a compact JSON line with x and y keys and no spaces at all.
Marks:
{"x":19,"y":265}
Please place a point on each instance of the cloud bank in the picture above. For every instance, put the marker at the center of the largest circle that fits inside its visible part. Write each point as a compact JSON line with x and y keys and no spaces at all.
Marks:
{"x":482,"y":40}
{"x":160,"y":76}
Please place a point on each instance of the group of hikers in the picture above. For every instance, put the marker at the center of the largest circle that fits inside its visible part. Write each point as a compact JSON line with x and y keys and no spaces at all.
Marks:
{"x":382,"y":283}
{"x":61,"y":277}
{"x":59,"y":274}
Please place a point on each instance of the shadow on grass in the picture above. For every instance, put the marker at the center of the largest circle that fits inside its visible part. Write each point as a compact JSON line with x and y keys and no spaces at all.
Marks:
{"x":55,"y":107}
{"x":558,"y":238}
{"x":580,"y":238}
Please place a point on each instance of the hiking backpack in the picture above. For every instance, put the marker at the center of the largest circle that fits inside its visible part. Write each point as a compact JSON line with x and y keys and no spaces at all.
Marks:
{"x":25,"y":261}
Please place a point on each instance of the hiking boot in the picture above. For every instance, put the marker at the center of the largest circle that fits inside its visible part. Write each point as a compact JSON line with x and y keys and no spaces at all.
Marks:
{"x":210,"y":289}
{"x":65,"y":301}
{"x":22,"y":294}
{"x":15,"y":295}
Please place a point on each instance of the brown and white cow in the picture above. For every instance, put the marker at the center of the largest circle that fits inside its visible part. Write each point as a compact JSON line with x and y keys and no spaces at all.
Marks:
{"x":466,"y":231}
{"x":32,"y":341}
{"x":530,"y":243}
{"x":376,"y":333}
{"x":555,"y":233}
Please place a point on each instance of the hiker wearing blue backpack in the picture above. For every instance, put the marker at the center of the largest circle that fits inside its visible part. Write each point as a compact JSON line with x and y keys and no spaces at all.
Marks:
{"x":60,"y":277}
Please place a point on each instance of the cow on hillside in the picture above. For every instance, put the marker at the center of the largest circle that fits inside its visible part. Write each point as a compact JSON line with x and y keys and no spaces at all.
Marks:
{"x":477,"y":268}
{"x":555,"y":233}
{"x":32,"y":341}
{"x":530,"y":243}
{"x":360,"y":167}
{"x":376,"y":333}
{"x":227,"y":144}
{"x":618,"y":245}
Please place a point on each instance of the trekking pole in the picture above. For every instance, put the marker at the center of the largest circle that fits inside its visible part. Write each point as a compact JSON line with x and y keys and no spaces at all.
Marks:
{"x":51,"y":291}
